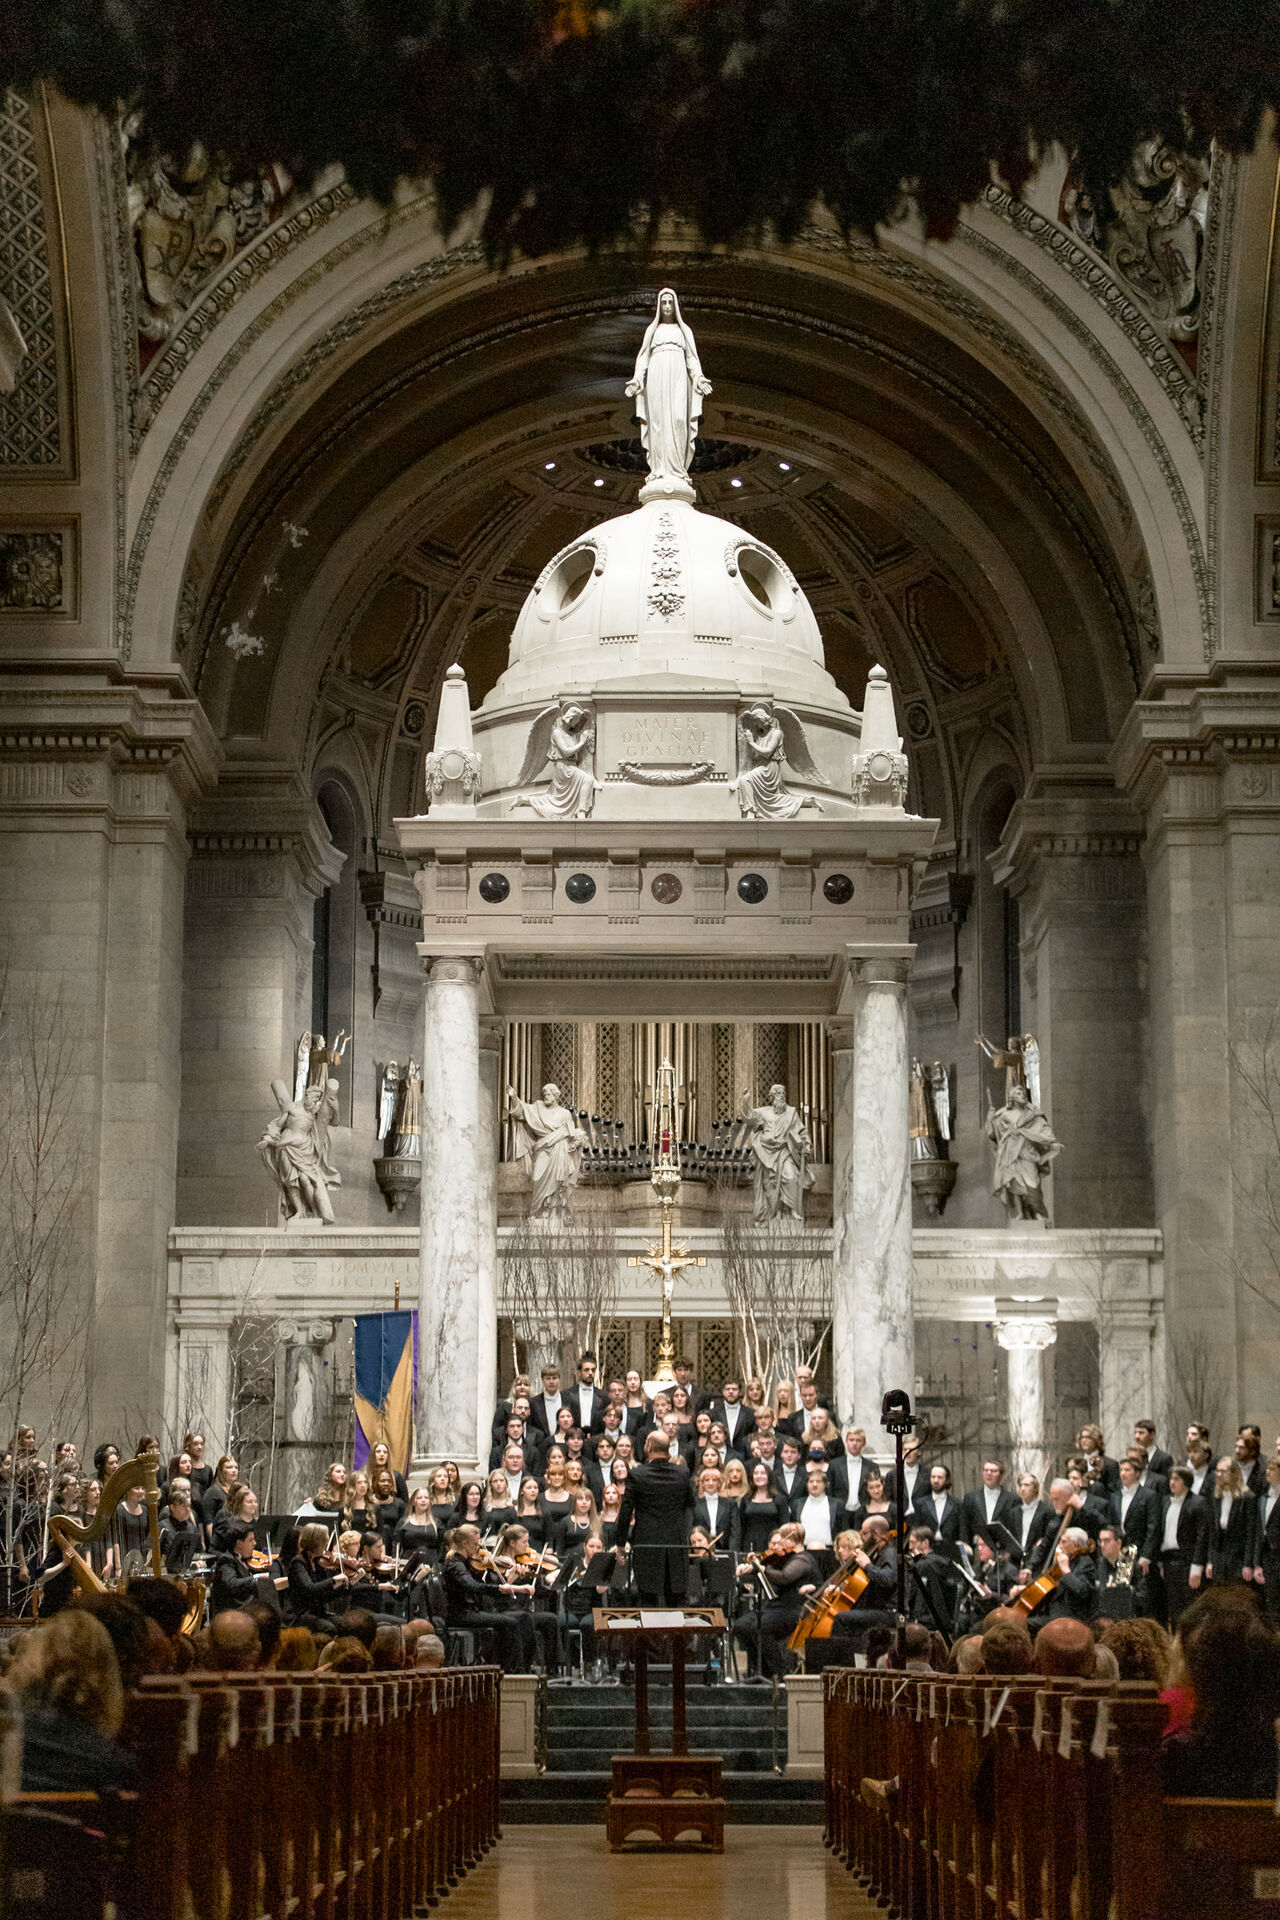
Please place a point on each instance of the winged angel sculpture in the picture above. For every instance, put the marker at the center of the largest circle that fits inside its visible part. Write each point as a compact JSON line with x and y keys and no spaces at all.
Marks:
{"x":768,"y":735}
{"x":295,"y":1148}
{"x":563,"y":738}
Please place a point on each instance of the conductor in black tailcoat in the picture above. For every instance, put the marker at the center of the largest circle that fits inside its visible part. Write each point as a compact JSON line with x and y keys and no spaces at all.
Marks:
{"x":654,"y":1520}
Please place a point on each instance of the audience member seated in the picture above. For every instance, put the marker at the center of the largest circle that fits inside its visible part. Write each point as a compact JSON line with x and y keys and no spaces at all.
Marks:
{"x":66,"y":1680}
{"x":1065,"y":1648}
{"x":1227,"y":1751}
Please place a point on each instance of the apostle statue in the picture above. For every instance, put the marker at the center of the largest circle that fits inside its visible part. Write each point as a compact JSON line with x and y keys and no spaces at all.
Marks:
{"x":295,"y":1148}
{"x":548,"y":1143}
{"x":782,"y":1149}
{"x":1025,"y":1146}
{"x":668,"y":390}
{"x":405,"y":1138}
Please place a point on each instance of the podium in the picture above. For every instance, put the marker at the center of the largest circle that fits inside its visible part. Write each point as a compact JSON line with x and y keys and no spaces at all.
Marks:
{"x":666,"y":1794}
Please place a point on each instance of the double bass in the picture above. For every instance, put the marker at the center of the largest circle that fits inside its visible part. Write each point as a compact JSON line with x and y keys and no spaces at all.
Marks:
{"x":1036,"y":1592}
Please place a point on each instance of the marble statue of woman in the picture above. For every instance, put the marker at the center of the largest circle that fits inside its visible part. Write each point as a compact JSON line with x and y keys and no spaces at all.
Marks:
{"x":668,"y":389}
{"x":295,"y":1148}
{"x":782,"y":1149}
{"x":548,"y":1143}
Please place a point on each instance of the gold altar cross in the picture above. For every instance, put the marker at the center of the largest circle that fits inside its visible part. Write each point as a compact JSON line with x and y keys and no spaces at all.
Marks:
{"x":667,"y":1261}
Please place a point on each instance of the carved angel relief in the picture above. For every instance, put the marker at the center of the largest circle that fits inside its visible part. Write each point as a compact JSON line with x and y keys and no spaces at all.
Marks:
{"x":562,"y":738}
{"x":768,"y":735}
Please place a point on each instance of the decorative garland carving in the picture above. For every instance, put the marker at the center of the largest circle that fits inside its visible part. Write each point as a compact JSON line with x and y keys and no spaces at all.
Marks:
{"x":665,"y":596}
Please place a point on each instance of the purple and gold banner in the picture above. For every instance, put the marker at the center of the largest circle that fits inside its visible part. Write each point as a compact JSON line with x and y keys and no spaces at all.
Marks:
{"x":386,"y":1388}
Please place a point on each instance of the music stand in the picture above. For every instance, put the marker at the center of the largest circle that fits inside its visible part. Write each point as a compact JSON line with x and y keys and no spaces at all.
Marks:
{"x":665,"y":1793}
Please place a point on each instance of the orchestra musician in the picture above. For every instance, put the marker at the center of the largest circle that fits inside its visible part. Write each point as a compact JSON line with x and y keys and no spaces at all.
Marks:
{"x":235,"y":1580}
{"x":476,"y":1597}
{"x":314,"y":1575}
{"x":875,"y":1557}
{"x":784,"y":1576}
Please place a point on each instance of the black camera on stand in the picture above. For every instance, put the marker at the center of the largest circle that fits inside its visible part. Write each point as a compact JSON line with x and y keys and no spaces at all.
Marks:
{"x":897,"y":1418}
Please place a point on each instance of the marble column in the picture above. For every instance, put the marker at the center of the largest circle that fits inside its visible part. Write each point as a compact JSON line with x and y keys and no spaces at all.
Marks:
{"x":873,"y":1325}
{"x":1025,"y":1341}
{"x":491,"y":1036}
{"x":448,"y":1324}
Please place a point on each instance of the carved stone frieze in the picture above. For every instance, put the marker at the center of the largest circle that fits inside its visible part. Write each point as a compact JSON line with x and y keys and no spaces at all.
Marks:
{"x":32,"y":572}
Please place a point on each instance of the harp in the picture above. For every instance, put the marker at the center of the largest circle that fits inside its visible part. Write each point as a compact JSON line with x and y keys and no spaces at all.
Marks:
{"x":98,"y":1550}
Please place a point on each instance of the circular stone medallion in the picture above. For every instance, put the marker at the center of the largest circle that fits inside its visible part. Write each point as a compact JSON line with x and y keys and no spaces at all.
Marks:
{"x":579,"y":888}
{"x":666,"y":889}
{"x":494,"y":888}
{"x":752,"y":888}
{"x":838,"y":888}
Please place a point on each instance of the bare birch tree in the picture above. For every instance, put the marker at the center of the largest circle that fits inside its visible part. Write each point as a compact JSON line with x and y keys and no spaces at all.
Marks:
{"x":560,"y":1282}
{"x":778,"y":1283}
{"x":45,"y":1305}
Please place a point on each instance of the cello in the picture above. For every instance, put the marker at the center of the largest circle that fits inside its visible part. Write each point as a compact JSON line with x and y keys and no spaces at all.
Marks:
{"x":1037,"y":1591}
{"x":838,"y":1594}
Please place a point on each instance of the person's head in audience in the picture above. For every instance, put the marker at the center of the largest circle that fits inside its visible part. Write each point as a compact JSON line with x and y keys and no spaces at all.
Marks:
{"x":918,"y":1648}
{"x":296,"y":1652}
{"x":1105,"y":1664}
{"x":345,"y":1655}
{"x":1231,"y":1657}
{"x":1141,"y":1647}
{"x":358,"y":1624}
{"x":68,"y":1667}
{"x":428,"y":1655}
{"x":270,"y":1626}
{"x":162,"y":1602}
{"x":966,"y":1654}
{"x":1007,"y":1649}
{"x":388,"y":1647}
{"x":1065,"y":1648}
{"x":234,"y":1646}
{"x":129,"y":1630}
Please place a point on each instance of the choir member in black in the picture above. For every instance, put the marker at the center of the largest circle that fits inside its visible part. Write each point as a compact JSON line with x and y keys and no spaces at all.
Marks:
{"x":1266,"y":1573}
{"x":1249,"y":1454}
{"x":235,"y":1583}
{"x":201,"y":1474}
{"x":557,"y":1500}
{"x":576,"y":1450}
{"x":610,"y":1506}
{"x":180,"y":1539}
{"x":476,"y":1599}
{"x":470,"y":1508}
{"x":133,"y":1525}
{"x":1101,"y":1470}
{"x":1144,"y":1436}
{"x":653,"y":1522}
{"x":938,"y":1509}
{"x":215,"y":1497}
{"x":529,"y":1512}
{"x":418,"y":1542}
{"x":876,"y":1503}
{"x":497,"y":1509}
{"x":388,"y":1505}
{"x":442,"y":1500}
{"x":240,"y":1507}
{"x":314,"y":1579}
{"x":718,"y":1516}
{"x":784,"y":1581}
{"x":582,"y":1524}
{"x":638,"y":1414}
{"x":875,"y":1605}
{"x":1135,"y":1512}
{"x":762,"y":1512}
{"x":1185,"y":1525}
{"x":1232,"y":1537}
{"x":992,"y":1504}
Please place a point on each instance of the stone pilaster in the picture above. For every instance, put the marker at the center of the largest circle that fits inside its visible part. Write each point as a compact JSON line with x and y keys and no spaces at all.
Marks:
{"x":1071,"y":856}
{"x":96,"y":789}
{"x":449,"y":1333}
{"x":1203,"y":763}
{"x":491,"y":1101}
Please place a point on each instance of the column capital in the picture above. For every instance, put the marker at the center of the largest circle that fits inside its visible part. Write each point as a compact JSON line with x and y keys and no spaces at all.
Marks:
{"x":467,"y":969}
{"x":888,"y":972}
{"x":1025,"y":1336}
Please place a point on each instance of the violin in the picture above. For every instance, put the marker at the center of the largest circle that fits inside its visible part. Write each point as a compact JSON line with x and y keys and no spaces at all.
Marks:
{"x":259,"y":1562}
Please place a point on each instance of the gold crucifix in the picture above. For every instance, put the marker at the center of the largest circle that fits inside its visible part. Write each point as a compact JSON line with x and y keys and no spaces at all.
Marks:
{"x":667,"y":1261}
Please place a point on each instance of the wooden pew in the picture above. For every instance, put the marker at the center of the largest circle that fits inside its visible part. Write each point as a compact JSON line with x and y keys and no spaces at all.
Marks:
{"x":1027,"y":1799}
{"x":275,"y":1797}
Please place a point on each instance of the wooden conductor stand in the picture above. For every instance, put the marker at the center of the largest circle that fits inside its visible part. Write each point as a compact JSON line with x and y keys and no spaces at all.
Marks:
{"x":666,"y":1794}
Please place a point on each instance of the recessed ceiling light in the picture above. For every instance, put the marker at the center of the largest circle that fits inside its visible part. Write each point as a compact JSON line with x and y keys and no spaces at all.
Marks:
{"x":551,"y":466}
{"x":735,"y":483}
{"x":784,"y":466}
{"x":597,"y":483}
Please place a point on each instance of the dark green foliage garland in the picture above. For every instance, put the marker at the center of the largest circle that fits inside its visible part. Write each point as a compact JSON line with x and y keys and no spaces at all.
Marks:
{"x":584,"y":122}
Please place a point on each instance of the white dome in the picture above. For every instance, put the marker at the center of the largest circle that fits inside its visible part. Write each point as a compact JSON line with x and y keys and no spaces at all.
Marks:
{"x":667,"y":598}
